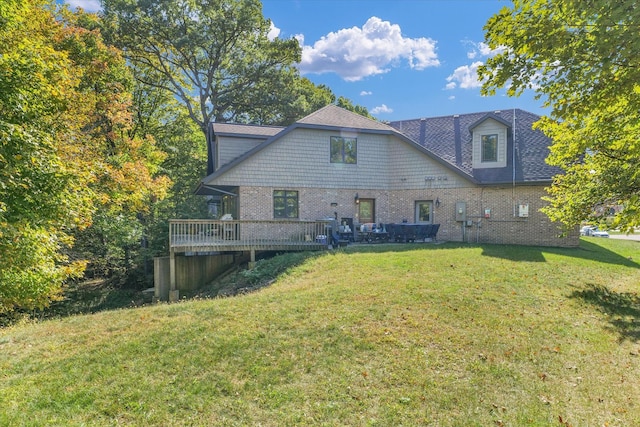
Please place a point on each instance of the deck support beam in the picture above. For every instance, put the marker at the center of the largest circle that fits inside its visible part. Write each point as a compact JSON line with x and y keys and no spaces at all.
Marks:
{"x":252,"y":259}
{"x":174,"y":294}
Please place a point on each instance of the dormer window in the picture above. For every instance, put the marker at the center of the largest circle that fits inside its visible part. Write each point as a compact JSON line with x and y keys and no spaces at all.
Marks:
{"x":489,"y":148}
{"x":489,"y":139}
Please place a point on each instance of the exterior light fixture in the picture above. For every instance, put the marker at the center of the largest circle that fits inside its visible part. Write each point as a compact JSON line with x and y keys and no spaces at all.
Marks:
{"x":357,"y":199}
{"x":437,"y":202}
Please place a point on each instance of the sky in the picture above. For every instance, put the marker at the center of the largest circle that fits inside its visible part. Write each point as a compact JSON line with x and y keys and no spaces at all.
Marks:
{"x":401,"y":59}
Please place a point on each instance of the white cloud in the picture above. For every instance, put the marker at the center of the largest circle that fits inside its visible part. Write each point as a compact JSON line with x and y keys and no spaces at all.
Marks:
{"x":273,"y":32}
{"x":366,"y":92}
{"x":381,"y":109}
{"x":86,"y":5}
{"x":452,"y":98}
{"x":465,"y":77}
{"x":481,"y":49}
{"x":355,"y":53}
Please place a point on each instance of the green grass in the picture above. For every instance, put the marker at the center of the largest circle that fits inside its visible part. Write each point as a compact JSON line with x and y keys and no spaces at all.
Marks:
{"x":375,"y":335}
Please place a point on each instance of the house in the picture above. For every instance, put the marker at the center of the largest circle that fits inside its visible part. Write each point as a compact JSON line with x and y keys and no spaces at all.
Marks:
{"x":480,"y":176}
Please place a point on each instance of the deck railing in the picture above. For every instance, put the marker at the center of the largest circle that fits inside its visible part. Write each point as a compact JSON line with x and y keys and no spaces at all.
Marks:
{"x":201,"y":233}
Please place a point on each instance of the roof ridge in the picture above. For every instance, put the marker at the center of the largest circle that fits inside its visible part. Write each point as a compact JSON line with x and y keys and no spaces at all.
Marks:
{"x":333,"y":115}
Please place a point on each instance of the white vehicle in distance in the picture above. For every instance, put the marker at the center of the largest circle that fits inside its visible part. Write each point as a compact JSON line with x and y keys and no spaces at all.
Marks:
{"x":589,"y":230}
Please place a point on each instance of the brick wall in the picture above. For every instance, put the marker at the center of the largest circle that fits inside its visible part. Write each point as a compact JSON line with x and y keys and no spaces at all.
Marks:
{"x":504,"y":225}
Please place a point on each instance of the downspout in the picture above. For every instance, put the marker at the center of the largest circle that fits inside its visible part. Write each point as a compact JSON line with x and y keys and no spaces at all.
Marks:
{"x":513,"y":163}
{"x":211,"y":162}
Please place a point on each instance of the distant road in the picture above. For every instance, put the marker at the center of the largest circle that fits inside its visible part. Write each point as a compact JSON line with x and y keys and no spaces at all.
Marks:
{"x":635,"y":236}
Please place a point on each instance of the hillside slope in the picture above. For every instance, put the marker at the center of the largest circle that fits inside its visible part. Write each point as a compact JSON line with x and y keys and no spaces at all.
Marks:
{"x":374,"y":335}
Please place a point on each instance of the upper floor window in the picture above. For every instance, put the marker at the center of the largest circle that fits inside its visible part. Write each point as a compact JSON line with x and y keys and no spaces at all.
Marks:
{"x":343,"y":150}
{"x":285,"y":204}
{"x":489,"y":148}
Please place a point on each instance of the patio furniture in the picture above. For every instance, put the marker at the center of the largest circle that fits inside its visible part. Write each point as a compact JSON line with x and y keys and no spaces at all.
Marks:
{"x":376,"y":236}
{"x":434,"y":231}
{"x":348,"y":224}
{"x":337,"y":241}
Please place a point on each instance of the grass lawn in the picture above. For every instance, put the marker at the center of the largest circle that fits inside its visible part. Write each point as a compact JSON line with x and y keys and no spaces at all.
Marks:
{"x":374,"y":335}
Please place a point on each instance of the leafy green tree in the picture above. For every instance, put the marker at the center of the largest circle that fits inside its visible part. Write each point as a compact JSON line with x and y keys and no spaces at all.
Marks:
{"x":286,"y":100}
{"x":157,"y":113}
{"x":214,"y":56}
{"x":123,"y":166}
{"x":65,"y":158}
{"x":38,"y":196}
{"x":348,"y":105}
{"x":582,"y":57}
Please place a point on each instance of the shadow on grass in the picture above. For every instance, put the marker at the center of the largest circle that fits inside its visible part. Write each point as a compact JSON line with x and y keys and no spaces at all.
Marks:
{"x":586,"y":250}
{"x":623,"y":309}
{"x":93,"y":296}
{"x":83,"y":297}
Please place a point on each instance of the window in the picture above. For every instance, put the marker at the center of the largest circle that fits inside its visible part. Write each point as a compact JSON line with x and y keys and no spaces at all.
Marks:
{"x":343,"y":150}
{"x":490,"y":148}
{"x":285,"y":204}
{"x":423,"y":211}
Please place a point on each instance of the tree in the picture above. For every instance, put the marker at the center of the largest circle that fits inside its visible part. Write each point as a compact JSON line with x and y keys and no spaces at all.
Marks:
{"x":120,"y":167}
{"x":64,"y":157}
{"x":38,"y":198}
{"x":348,"y":105}
{"x":583,"y":58}
{"x":214,"y":56}
{"x":288,"y":99}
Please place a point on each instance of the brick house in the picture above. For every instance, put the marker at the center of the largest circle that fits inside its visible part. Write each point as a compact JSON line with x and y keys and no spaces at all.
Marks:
{"x":480,"y":176}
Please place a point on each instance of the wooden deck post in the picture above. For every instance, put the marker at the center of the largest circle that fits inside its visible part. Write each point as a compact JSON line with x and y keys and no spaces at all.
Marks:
{"x":174,"y":294}
{"x":252,"y":259}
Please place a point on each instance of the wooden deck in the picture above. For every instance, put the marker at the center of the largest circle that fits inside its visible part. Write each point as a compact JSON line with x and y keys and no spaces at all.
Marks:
{"x":220,"y":236}
{"x":243,"y":235}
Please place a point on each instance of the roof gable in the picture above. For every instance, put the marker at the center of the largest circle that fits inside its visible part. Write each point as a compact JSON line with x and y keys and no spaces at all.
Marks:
{"x":488,"y":116}
{"x":334,"y":116}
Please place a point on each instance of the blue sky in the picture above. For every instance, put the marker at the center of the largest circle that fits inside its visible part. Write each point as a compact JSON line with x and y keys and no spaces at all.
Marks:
{"x":402,"y":59}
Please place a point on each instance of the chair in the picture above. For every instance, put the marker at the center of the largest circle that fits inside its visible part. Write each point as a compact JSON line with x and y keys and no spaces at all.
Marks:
{"x":423,"y":231}
{"x":395,"y":232}
{"x":410,"y":233}
{"x":349,"y":222}
{"x":434,"y":232}
{"x":336,"y":241}
{"x":391,"y":231}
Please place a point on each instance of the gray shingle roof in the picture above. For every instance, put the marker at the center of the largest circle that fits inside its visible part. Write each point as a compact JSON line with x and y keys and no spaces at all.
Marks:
{"x":334,"y":116}
{"x":450,"y":138}
{"x":245,"y":130}
{"x":446,"y":139}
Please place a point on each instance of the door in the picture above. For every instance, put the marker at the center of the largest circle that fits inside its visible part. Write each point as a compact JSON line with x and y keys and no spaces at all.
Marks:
{"x":424,"y":212}
{"x":366,"y":211}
